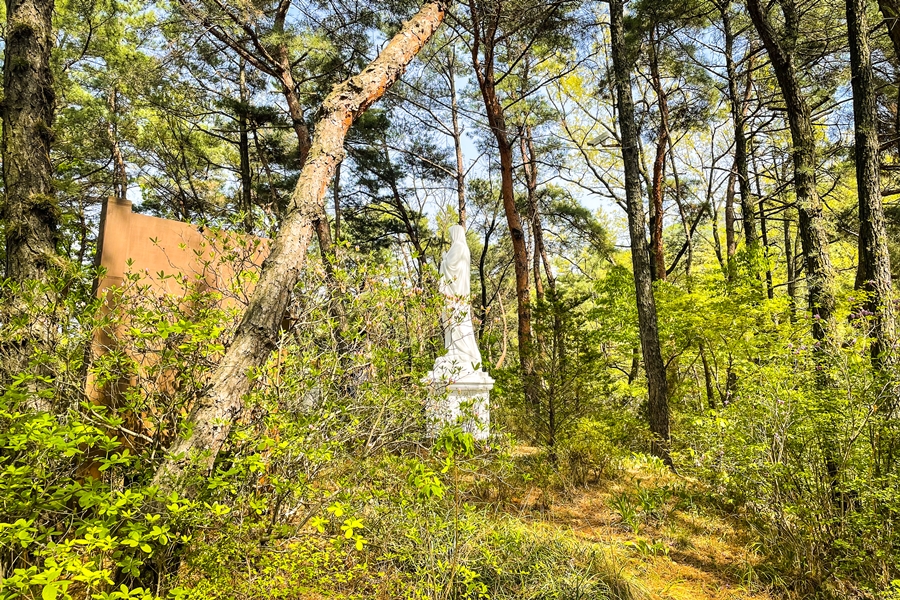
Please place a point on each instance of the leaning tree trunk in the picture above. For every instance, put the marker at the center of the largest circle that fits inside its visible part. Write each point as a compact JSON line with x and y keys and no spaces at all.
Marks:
{"x":30,"y":213}
{"x":874,"y":272}
{"x":653,"y":362}
{"x":819,"y":272}
{"x":256,"y":336}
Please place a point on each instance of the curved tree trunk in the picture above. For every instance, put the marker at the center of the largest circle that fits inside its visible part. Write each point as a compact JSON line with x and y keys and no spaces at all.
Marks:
{"x":256,"y":336}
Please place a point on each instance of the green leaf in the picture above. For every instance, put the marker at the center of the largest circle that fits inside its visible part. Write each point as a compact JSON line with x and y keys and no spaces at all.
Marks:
{"x":50,"y":591}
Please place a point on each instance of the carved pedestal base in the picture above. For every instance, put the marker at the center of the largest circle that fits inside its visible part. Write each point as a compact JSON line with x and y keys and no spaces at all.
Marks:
{"x":462,"y":401}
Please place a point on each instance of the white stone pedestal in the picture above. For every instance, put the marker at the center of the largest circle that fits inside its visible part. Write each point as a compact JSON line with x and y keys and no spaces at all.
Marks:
{"x":459,"y":401}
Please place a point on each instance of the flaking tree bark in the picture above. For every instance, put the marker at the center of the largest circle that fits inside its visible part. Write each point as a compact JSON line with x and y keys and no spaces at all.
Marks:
{"x":30,"y":213}
{"x":256,"y":336}
{"x":874,"y":270}
{"x":646,"y":305}
{"x":819,"y":271}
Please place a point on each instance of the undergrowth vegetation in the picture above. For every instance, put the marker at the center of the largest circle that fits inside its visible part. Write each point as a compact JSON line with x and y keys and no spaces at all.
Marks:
{"x":327,"y":486}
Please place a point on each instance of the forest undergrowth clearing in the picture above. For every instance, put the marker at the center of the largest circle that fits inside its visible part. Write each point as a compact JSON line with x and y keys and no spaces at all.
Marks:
{"x":685,"y":553}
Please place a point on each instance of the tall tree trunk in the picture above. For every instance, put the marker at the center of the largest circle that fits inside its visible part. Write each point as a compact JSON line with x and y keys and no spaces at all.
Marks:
{"x":256,"y":336}
{"x":120,"y":175}
{"x":301,"y":130}
{"x":457,"y":140}
{"x":657,"y":191}
{"x":890,"y":10}
{"x":497,"y":122}
{"x":282,"y":70}
{"x":529,"y":165}
{"x":336,"y":188}
{"x":244,"y":150}
{"x":763,"y":230}
{"x":789,"y":263}
{"x":653,"y":362}
{"x":730,"y":239}
{"x":739,"y":105}
{"x":819,"y":271}
{"x":482,"y":276}
{"x":30,"y":213}
{"x":874,"y":271}
{"x":688,"y":230}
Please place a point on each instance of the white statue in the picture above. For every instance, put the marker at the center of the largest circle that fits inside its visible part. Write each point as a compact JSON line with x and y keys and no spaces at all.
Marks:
{"x":463,"y":356}
{"x":461,"y":387}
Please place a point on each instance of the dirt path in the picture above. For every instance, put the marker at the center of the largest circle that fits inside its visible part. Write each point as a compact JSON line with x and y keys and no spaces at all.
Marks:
{"x":675,"y":550}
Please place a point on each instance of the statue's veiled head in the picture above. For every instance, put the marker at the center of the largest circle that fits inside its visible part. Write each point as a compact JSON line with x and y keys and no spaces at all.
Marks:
{"x":457,"y":234}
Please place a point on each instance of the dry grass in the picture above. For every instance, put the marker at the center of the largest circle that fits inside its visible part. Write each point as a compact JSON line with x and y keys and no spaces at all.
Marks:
{"x":689,"y":552}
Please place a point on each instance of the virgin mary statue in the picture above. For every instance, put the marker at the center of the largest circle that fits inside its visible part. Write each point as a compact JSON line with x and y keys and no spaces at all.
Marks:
{"x":462,"y":355}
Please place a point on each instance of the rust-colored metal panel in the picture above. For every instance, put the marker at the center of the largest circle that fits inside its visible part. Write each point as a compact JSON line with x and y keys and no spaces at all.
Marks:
{"x":171,"y":258}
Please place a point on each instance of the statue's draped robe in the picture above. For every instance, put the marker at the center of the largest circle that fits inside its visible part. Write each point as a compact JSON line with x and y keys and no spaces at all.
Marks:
{"x":462,"y":356}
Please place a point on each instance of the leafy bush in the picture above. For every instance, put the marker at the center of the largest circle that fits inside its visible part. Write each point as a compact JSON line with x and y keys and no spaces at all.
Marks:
{"x":322,"y":487}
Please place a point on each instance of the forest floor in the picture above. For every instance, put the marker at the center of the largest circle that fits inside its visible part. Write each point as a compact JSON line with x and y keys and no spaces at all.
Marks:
{"x":683,"y":550}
